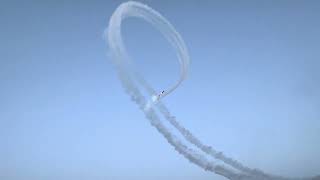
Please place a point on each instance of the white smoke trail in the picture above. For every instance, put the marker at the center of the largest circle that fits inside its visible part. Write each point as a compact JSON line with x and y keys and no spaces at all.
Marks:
{"x":123,"y":65}
{"x":128,"y":75}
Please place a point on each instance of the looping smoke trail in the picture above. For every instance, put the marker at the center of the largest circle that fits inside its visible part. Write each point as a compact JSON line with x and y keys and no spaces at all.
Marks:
{"x":128,"y":77}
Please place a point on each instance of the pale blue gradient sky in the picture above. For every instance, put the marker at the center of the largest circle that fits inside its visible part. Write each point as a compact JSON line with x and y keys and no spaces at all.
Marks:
{"x":252,"y":92}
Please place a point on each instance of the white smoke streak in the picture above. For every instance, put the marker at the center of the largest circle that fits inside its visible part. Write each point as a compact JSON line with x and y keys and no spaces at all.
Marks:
{"x":128,"y":77}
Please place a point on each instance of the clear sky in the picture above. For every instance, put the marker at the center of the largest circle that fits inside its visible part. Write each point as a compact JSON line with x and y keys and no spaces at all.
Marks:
{"x":253,"y":90}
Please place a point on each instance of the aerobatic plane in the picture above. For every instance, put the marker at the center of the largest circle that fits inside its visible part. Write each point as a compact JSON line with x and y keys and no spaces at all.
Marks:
{"x":159,"y":95}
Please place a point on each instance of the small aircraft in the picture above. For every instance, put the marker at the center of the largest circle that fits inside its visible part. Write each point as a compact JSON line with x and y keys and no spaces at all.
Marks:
{"x":159,"y":95}
{"x":156,"y":98}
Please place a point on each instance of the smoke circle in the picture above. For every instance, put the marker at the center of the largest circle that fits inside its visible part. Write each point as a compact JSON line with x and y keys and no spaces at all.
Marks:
{"x":133,"y":9}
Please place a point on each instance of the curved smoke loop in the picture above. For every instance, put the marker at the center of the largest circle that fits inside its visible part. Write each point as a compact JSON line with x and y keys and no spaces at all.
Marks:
{"x":129,"y":78}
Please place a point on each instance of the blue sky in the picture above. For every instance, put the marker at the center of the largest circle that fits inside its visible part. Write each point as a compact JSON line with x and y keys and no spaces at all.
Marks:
{"x":252,"y":92}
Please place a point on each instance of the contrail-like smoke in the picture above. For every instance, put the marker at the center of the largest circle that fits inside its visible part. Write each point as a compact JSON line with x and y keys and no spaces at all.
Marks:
{"x":129,"y":78}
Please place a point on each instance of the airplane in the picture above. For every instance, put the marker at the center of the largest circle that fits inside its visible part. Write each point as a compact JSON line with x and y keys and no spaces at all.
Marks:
{"x":159,"y":95}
